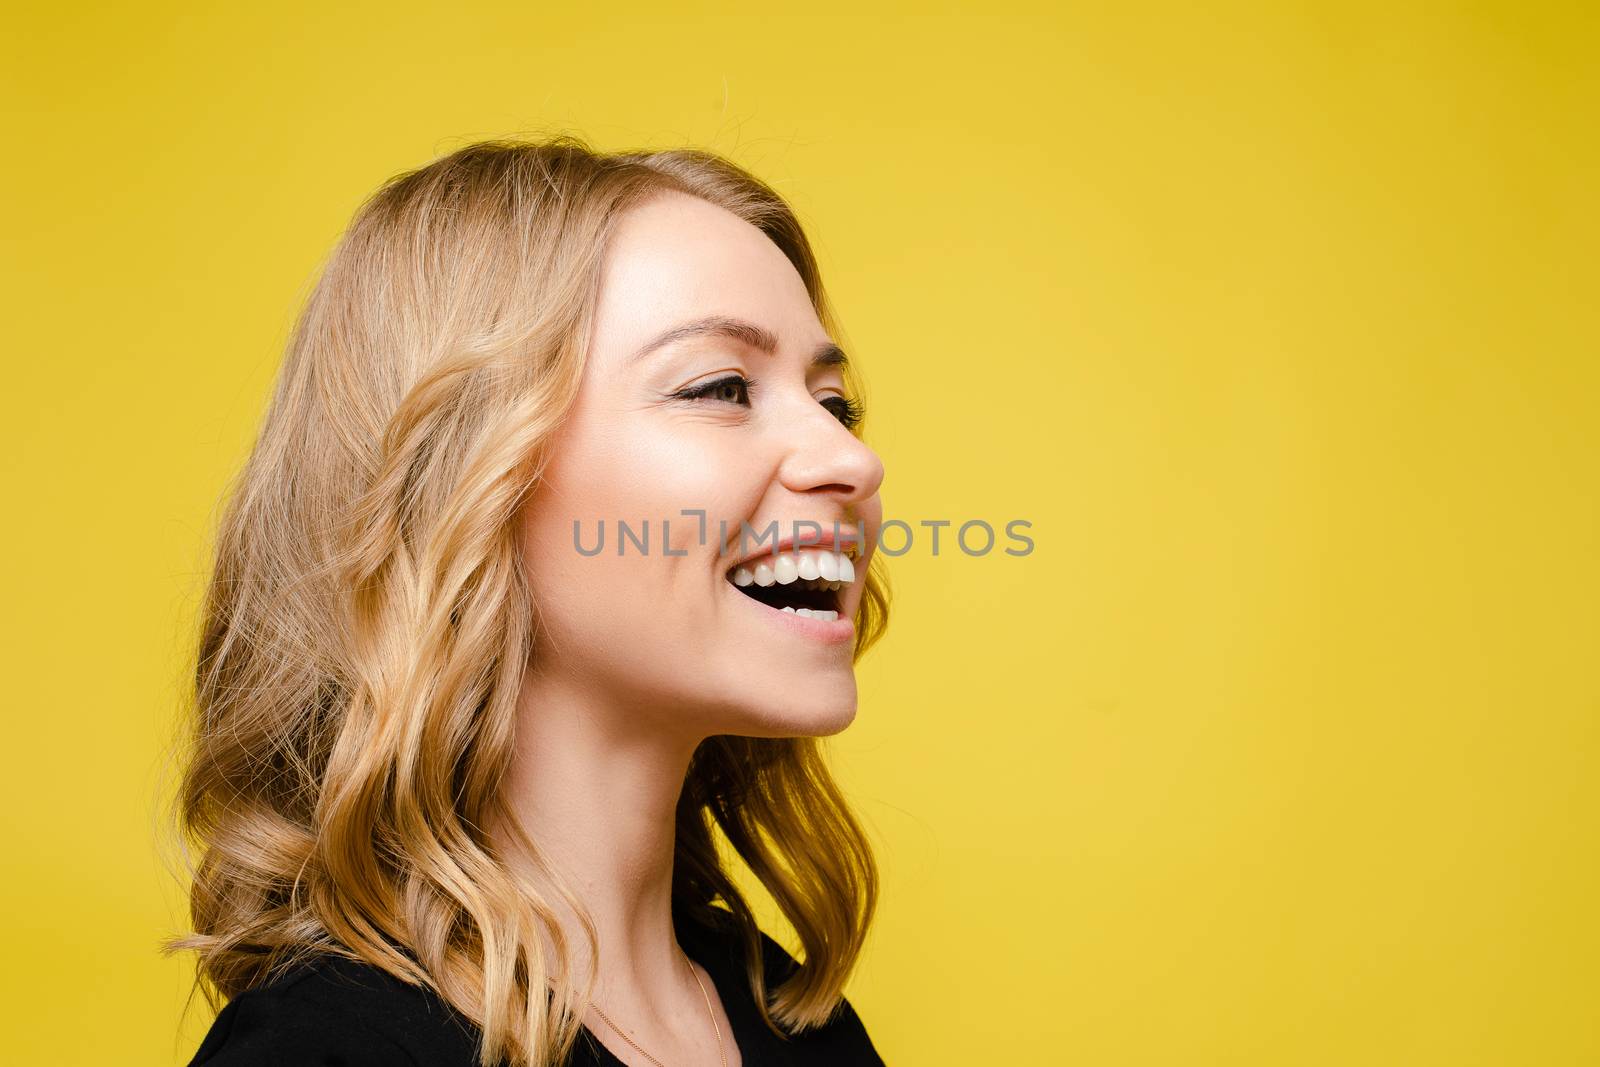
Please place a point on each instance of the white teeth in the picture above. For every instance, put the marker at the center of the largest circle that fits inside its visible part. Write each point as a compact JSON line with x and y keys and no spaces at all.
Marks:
{"x":809,"y":566}
{"x":791,"y":611}
{"x":820,"y":570}
{"x":828,"y":565}
{"x":785,"y":569}
{"x":814,"y":613}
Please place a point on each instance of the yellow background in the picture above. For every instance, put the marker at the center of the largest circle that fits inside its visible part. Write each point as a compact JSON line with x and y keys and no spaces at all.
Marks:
{"x":1278,"y":323}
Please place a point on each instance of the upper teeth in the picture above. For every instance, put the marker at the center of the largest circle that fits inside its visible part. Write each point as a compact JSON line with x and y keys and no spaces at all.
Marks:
{"x":824,"y":570}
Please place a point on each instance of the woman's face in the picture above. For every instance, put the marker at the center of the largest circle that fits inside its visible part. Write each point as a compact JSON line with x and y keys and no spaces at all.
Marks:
{"x":673,"y":635}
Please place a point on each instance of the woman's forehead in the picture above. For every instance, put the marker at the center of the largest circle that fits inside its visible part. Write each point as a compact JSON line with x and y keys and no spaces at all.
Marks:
{"x":677,"y":259}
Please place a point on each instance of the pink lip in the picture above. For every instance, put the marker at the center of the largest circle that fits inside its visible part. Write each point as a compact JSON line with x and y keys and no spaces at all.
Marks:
{"x":827,"y":631}
{"x":826,"y":540}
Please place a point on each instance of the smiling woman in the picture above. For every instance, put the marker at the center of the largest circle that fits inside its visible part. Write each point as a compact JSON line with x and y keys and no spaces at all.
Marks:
{"x":454,"y":785}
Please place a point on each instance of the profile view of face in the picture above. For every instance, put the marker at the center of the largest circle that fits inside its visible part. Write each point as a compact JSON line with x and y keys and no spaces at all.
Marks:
{"x":691,"y":635}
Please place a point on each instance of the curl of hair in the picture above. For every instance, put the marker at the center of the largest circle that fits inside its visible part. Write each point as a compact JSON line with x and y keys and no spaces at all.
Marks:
{"x":366,"y":621}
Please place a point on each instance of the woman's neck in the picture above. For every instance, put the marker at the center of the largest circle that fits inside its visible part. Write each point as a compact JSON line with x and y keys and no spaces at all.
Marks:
{"x":597,"y":791}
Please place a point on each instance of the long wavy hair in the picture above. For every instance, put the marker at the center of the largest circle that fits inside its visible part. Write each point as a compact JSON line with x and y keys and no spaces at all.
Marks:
{"x":367,"y":621}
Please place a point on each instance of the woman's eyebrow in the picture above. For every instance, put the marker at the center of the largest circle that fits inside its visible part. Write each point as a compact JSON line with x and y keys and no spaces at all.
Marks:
{"x":758,"y":337}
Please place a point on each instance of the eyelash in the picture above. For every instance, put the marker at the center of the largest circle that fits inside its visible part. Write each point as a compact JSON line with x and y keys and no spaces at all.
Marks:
{"x":846,"y":409}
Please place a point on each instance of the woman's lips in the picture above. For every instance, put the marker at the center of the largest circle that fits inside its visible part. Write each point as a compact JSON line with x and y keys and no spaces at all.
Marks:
{"x":833,"y":626}
{"x":848,"y":544}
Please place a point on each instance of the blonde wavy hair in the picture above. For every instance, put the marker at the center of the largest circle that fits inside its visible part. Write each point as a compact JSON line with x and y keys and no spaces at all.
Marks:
{"x":367,"y":621}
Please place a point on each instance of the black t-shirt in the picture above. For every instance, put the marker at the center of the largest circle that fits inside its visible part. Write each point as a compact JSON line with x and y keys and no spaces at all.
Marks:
{"x":334,"y":1012}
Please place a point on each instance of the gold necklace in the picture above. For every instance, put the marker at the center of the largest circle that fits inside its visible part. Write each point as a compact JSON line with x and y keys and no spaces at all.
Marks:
{"x":721,"y":1052}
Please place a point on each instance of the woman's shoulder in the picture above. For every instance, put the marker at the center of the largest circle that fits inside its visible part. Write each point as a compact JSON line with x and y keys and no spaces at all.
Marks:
{"x":330,"y":1009}
{"x":841,"y":1041}
{"x":717,"y":928}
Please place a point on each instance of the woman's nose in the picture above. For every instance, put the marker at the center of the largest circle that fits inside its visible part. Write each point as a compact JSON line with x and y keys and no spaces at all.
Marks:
{"x":826,"y":458}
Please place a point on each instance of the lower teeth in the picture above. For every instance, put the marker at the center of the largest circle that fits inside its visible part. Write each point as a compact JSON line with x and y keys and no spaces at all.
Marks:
{"x":825,"y":616}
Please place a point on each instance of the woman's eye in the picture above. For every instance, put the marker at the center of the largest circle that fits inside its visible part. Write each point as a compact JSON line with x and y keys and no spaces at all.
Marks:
{"x":734,"y":389}
{"x":846,"y":409}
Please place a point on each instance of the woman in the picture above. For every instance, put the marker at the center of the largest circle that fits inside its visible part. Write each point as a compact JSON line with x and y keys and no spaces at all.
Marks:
{"x":456,"y":771}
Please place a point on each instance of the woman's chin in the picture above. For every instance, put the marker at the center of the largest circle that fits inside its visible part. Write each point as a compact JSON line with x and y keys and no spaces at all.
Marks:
{"x":819,"y":716}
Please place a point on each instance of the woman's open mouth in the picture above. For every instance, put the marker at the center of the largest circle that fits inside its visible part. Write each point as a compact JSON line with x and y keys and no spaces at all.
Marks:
{"x":809,"y":583}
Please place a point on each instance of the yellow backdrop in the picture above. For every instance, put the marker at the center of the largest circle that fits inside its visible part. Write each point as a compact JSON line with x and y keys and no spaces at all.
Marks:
{"x":1277,"y":323}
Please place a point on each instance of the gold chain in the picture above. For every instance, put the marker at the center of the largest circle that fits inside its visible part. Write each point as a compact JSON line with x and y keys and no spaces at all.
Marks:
{"x":722,"y":1053}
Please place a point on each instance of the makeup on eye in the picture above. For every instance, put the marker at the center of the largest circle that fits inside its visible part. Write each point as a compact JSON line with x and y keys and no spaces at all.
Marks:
{"x":719,"y":389}
{"x":735,"y":389}
{"x":847,"y":409}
